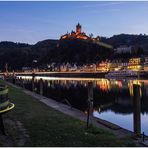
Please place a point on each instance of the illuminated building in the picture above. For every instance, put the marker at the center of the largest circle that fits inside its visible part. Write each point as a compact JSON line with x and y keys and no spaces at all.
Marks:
{"x":135,"y":64}
{"x":89,"y":67}
{"x":72,"y":67}
{"x":115,"y":65}
{"x":146,"y":64}
{"x":63,"y":68}
{"x":103,"y":67}
{"x":78,"y":34}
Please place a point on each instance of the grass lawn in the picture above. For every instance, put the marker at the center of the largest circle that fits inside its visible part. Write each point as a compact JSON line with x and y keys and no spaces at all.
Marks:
{"x":48,"y":127}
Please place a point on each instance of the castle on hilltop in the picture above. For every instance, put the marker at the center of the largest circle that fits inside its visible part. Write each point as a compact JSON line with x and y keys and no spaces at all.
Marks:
{"x":78,"y":34}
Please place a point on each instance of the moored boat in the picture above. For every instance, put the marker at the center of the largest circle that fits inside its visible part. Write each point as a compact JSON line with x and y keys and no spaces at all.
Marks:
{"x":123,"y":73}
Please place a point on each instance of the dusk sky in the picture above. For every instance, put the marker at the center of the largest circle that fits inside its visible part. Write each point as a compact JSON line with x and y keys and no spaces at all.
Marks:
{"x":31,"y":22}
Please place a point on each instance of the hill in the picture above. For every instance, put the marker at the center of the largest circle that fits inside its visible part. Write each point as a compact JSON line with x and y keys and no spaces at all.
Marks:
{"x":18,"y":55}
{"x":15,"y":54}
{"x":42,"y":49}
{"x":139,"y":41}
{"x":81,"y":51}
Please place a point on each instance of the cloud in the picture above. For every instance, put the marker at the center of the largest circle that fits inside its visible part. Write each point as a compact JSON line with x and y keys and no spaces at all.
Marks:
{"x":106,"y":10}
{"x":100,"y":5}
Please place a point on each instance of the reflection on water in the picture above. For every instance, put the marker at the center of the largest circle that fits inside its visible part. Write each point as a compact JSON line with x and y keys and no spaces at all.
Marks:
{"x":113,"y":99}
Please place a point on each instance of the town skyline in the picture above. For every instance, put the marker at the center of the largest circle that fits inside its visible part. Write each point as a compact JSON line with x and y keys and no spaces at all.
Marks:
{"x":30,"y":22}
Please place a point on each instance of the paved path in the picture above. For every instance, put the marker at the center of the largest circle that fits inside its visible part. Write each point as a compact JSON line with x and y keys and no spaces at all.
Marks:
{"x":115,"y":129}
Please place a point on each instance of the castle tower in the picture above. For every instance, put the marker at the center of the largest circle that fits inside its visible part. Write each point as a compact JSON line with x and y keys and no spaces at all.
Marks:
{"x":78,"y":28}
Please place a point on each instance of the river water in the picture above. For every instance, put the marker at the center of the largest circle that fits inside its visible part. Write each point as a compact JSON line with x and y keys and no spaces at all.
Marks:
{"x":113,"y":100}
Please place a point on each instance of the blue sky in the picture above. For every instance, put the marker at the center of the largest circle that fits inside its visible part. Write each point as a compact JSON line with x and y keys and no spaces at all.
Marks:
{"x":31,"y":22}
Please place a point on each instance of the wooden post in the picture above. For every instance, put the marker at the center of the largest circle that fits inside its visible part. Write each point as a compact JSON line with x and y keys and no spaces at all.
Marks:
{"x":143,"y":137}
{"x":17,"y":81}
{"x":13,"y":80}
{"x":137,"y":109}
{"x":41,"y":86}
{"x":21,"y":82}
{"x":88,"y":113}
{"x":14,"y":77}
{"x":90,"y":102}
{"x":2,"y":125}
{"x":32,"y":84}
{"x":33,"y":76}
{"x":6,"y":67}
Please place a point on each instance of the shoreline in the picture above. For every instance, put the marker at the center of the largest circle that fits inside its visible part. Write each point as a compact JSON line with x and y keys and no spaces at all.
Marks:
{"x":93,"y":75}
{"x":60,"y":74}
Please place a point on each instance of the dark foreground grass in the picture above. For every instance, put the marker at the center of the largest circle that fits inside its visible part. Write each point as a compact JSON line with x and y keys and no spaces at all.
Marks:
{"x":48,"y":127}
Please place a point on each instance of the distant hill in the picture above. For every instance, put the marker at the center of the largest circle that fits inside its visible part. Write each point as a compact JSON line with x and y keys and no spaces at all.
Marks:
{"x":81,"y":51}
{"x":69,"y":50}
{"x":140,"y":41}
{"x":15,"y":54}
{"x":41,"y":50}
{"x":46,"y":43}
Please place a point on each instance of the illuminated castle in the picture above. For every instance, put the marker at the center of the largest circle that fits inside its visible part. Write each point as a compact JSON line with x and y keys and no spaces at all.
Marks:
{"x":78,"y":34}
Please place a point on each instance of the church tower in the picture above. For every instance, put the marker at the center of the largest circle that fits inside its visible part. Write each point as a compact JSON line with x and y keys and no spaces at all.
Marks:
{"x":78,"y":29}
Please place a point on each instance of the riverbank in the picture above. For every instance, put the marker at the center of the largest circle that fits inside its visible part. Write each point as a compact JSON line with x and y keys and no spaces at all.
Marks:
{"x":36,"y":124}
{"x":61,"y":74}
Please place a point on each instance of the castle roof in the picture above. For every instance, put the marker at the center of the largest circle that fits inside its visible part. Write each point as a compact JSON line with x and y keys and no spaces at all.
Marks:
{"x":78,"y":25}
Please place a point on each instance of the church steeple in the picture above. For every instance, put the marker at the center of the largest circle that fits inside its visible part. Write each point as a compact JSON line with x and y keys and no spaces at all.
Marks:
{"x":78,"y":28}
